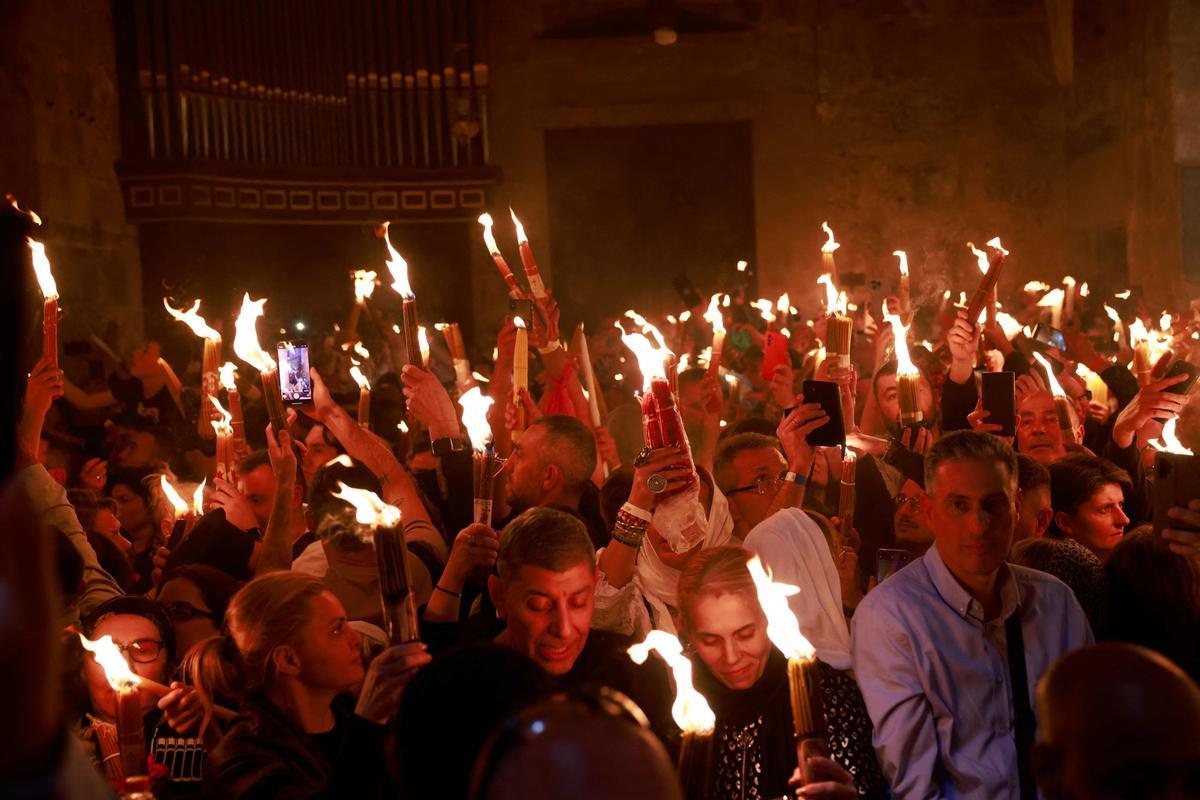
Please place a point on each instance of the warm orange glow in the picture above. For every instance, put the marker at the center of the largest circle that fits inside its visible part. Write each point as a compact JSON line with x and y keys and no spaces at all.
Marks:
{"x":228,"y":373}
{"x":904,"y":364}
{"x":741,"y":266}
{"x":398,"y":267}
{"x":342,"y":460}
{"x":521,"y":237}
{"x":784,"y":303}
{"x":651,"y":359}
{"x":193,"y":320}
{"x":1052,"y":299}
{"x":782,"y":628}
{"x":981,"y":257}
{"x":903,"y":256}
{"x":245,"y":340}
{"x":1037,"y":286}
{"x":1055,"y":387}
{"x":831,"y":295}
{"x":489,"y":238}
{"x":766,"y":308}
{"x":357,"y":374}
{"x":1008,"y":323}
{"x":223,"y":424}
{"x":360,"y":350}
{"x":843,"y":305}
{"x":1084,"y":291}
{"x":368,"y":508}
{"x":995,"y":242}
{"x":173,"y":497}
{"x":690,"y":710}
{"x":1123,"y":295}
{"x":116,"y":669}
{"x":423,"y":343}
{"x":830,"y":243}
{"x":364,"y":284}
{"x":647,"y":328}
{"x":520,"y":323}
{"x":475,"y":405}
{"x":1168,"y":442}
{"x":198,"y":499}
{"x":41,"y":268}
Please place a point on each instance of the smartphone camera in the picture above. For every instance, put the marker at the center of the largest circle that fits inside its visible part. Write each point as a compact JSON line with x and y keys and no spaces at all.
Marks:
{"x":295,"y":384}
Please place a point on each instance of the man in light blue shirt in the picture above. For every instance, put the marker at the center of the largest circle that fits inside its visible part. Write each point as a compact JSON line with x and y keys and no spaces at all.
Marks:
{"x":931,"y":645}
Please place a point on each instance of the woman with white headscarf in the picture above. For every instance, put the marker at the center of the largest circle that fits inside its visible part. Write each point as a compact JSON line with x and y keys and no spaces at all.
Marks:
{"x":639,"y":572}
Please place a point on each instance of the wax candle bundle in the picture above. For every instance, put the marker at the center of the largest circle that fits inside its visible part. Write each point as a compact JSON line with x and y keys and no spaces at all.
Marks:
{"x":679,"y":516}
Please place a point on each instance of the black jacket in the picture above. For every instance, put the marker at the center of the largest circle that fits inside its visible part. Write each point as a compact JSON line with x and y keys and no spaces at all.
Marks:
{"x":266,"y":755}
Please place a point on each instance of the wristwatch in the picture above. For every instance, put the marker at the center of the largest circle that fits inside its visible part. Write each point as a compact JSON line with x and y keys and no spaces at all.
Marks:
{"x":447,"y":445}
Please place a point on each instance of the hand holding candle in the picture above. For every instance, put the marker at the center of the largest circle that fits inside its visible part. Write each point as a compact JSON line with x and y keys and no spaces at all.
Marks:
{"x":1068,"y":422}
{"x":247,"y":348}
{"x":45,"y":279}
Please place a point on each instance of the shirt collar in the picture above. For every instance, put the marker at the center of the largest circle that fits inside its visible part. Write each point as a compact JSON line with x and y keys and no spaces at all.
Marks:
{"x":960,"y":599}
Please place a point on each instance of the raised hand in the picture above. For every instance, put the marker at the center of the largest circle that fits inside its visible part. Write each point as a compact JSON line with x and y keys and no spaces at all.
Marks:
{"x":94,"y":474}
{"x":1152,"y":401}
{"x":386,"y":678}
{"x":804,"y":419}
{"x":429,"y":403}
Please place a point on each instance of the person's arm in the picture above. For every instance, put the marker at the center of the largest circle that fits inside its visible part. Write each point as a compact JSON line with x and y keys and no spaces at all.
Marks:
{"x":804,"y":419}
{"x":904,"y":736}
{"x":275,"y":552}
{"x":475,"y":548}
{"x":87,"y":401}
{"x":619,"y":559}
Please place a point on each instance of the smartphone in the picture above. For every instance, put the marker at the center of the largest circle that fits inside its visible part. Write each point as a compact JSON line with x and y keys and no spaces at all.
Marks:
{"x":888,"y":562}
{"x":1181,"y":367}
{"x":522,"y":309}
{"x":1176,"y":483}
{"x":1000,"y":401}
{"x":295,"y":384}
{"x":829,"y":395}
{"x":687,"y":292}
{"x":775,"y":352}
{"x":1049,"y":337}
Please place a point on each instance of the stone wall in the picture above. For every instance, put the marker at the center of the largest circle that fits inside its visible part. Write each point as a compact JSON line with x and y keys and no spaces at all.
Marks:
{"x":58,"y":101}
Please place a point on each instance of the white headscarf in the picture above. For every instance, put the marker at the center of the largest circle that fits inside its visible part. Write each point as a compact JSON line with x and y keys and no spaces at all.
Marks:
{"x":794,"y":549}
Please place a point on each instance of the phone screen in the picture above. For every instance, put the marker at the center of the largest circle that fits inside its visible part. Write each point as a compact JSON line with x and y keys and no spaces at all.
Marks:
{"x":1050,"y":337}
{"x":775,"y":352}
{"x":1181,"y":367}
{"x":888,"y":562}
{"x":295,"y":384}
{"x":999,"y":400}
{"x":828,"y":394}
{"x":522,"y":309}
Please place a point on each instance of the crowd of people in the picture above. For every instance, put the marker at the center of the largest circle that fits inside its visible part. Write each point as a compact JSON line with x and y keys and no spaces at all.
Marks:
{"x":1040,"y":637}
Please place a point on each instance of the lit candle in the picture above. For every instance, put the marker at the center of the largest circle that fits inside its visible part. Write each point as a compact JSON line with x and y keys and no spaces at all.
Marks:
{"x":1171,"y":475}
{"x":527,"y":260}
{"x":839,"y":327}
{"x":364,"y":395}
{"x":209,"y":365}
{"x":520,"y":375}
{"x":828,"y":264}
{"x":905,"y":293}
{"x":384,"y":528}
{"x":846,"y":495}
{"x":408,"y":308}
{"x":233,"y":398}
{"x":245,"y":345}
{"x":475,"y":406}
{"x":1143,"y":352}
{"x":1068,"y":422}
{"x":908,"y":377}
{"x":1069,"y":295}
{"x":423,"y":343}
{"x":180,"y":508}
{"x":1053,"y":300}
{"x":458,"y":355}
{"x":690,"y":710}
{"x":783,"y":306}
{"x":588,"y":373}
{"x":223,"y":429}
{"x":804,"y":688}
{"x":126,"y":685}
{"x":1095,"y":384}
{"x":716,"y":317}
{"x":985,"y":294}
{"x":45,"y":279}
{"x":489,"y":239}
{"x":364,"y":287}
{"x":989,"y":306}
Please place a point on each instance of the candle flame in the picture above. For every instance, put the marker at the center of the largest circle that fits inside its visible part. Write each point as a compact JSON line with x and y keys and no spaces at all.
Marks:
{"x":685,"y":316}
{"x":398,"y":267}
{"x":904,"y":364}
{"x":368,"y":508}
{"x":782,"y":628}
{"x":1037,"y":286}
{"x":521,"y":237}
{"x":520,"y":323}
{"x":362,"y":351}
{"x":1008,"y":323}
{"x":1084,"y":291}
{"x":341,"y":460}
{"x":903,"y":256}
{"x":228,"y":373}
{"x":116,"y":669}
{"x":475,"y":405}
{"x":1055,"y":387}
{"x":784,"y":303}
{"x":830,"y":243}
{"x":766,"y":308}
{"x":364,"y":284}
{"x":1168,"y":442}
{"x":1123,"y":295}
{"x":995,"y":242}
{"x":831,"y":295}
{"x":1164,"y":322}
{"x":1069,"y":281}
{"x":423,"y":343}
{"x":651,"y":359}
{"x":357,"y":374}
{"x":245,"y":340}
{"x":489,"y":238}
{"x":191,"y":317}
{"x":843,"y":306}
{"x":41,"y":268}
{"x":173,"y":497}
{"x":741,"y":266}
{"x":198,"y":499}
{"x":981,"y":257}
{"x":690,"y":710}
{"x":714,"y":316}
{"x":1052,"y":298}
{"x":403,"y":426}
{"x":647,"y":328}
{"x":222,"y":425}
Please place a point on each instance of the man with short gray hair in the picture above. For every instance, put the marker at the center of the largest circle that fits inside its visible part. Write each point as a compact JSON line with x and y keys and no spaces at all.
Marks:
{"x":948,"y":651}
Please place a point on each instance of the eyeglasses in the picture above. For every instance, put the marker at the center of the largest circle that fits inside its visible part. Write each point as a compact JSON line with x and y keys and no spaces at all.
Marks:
{"x":763,"y":485}
{"x":143,"y":651}
{"x":184,"y":612}
{"x":903,"y":500}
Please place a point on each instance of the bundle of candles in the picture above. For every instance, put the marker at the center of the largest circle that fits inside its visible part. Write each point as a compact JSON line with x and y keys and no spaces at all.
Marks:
{"x":804,"y":686}
{"x":839,"y":326}
{"x":458,"y":356}
{"x":716,"y":317}
{"x":233,"y":399}
{"x":985,"y":293}
{"x":485,"y":465}
{"x":226,"y":460}
{"x":398,"y":267}
{"x":185,"y":515}
{"x":846,"y":497}
{"x":1068,"y":421}
{"x":908,"y":377}
{"x":679,"y":516}
{"x":247,"y":348}
{"x":384,"y":528}
{"x":209,"y":379}
{"x":690,"y":711}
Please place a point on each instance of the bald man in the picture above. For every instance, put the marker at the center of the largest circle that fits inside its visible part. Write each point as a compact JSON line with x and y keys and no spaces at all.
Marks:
{"x":1117,"y":721}
{"x":564,"y":748}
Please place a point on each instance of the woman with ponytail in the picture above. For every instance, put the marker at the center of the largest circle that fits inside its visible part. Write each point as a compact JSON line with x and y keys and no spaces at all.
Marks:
{"x":292,"y":657}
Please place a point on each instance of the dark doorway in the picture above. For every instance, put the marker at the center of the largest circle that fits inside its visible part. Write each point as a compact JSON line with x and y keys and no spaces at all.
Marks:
{"x":632,"y":207}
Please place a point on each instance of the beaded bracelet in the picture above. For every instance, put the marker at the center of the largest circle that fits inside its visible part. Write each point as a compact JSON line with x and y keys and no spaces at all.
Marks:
{"x":640,"y":513}
{"x":628,"y":536}
{"x":630,"y":521}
